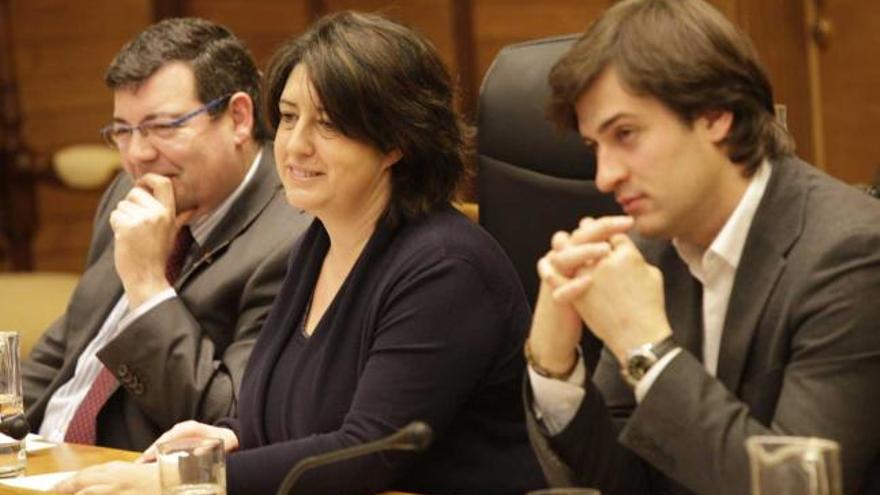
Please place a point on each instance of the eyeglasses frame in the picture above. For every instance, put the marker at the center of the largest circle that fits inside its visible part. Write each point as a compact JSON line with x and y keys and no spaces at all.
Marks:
{"x":145,"y":127}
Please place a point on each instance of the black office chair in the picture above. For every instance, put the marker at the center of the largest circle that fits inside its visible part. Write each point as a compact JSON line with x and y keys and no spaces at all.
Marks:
{"x":534,"y":179}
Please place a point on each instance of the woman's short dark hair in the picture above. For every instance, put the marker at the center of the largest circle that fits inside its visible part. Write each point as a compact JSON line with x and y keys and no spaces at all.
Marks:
{"x":383,"y":83}
{"x":219,"y":60}
{"x":690,"y":57}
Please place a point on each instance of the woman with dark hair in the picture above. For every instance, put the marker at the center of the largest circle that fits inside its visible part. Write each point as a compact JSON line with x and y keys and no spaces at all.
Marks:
{"x":397,"y":307}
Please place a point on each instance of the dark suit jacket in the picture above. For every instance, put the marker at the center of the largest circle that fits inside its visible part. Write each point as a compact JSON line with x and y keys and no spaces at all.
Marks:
{"x":800,"y":355}
{"x":184,"y":358}
{"x":428,"y":325}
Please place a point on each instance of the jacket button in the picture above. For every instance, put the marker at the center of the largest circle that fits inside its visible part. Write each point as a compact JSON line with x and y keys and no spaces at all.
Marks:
{"x":138,"y":388}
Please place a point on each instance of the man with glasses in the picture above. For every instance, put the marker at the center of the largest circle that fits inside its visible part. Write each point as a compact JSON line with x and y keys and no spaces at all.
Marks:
{"x":188,"y":249}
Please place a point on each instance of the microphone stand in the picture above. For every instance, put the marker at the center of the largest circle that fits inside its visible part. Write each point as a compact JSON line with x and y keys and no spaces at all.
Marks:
{"x":414,"y":436}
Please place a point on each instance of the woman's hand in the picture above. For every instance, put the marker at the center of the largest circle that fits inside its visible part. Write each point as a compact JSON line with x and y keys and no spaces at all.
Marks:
{"x":113,"y":478}
{"x":191,"y":429}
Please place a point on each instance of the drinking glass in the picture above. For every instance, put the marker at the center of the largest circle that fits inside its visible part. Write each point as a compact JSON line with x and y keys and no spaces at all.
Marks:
{"x":13,"y":457}
{"x":783,"y":465}
{"x":192,"y":466}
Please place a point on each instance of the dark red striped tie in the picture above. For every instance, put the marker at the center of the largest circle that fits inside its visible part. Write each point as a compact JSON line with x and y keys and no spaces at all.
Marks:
{"x":182,"y":243}
{"x":83,"y":427}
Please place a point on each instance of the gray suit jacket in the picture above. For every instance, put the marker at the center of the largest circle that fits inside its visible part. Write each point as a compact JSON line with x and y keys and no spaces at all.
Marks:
{"x":184,"y":358}
{"x":800,"y":355}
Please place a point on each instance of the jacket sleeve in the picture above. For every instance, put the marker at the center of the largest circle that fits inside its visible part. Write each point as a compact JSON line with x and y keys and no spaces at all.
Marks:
{"x":586,"y":452}
{"x":177,"y":366}
{"x":40,"y":368}
{"x":825,"y":364}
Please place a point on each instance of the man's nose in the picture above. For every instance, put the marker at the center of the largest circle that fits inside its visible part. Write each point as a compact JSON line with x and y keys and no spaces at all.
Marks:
{"x":610,"y":170}
{"x":140,"y":149}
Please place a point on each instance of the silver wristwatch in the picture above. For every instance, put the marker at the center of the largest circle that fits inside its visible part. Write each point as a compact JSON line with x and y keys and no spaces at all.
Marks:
{"x":640,"y":359}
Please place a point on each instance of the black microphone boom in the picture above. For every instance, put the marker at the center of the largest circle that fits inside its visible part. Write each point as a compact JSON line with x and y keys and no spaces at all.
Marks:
{"x":414,"y":436}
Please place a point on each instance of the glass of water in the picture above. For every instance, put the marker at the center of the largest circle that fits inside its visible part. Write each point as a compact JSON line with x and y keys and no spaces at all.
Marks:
{"x":192,"y":466}
{"x":13,"y":458}
{"x":782,"y":465}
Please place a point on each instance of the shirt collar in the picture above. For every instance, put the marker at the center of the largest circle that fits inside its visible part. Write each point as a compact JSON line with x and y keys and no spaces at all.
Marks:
{"x":729,"y":243}
{"x":202,"y":227}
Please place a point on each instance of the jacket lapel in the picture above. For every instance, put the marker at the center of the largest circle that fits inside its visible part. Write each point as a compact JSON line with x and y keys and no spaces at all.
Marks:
{"x":685,"y":308}
{"x":683,"y":294}
{"x":777,"y":224}
{"x":254,"y":198}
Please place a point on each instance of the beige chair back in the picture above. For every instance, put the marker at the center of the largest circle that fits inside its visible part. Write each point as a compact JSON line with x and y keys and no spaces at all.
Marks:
{"x":30,"y":301}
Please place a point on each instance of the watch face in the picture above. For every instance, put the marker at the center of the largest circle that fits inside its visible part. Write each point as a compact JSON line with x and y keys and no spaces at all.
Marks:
{"x":638,"y":365}
{"x":640,"y":359}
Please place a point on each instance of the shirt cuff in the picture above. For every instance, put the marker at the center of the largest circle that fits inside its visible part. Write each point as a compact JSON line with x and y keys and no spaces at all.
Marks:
{"x":650,"y":377}
{"x":557,"y":401}
{"x":146,"y":306}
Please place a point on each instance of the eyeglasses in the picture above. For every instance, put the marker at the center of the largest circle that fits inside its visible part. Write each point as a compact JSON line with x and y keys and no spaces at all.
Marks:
{"x":119,"y":135}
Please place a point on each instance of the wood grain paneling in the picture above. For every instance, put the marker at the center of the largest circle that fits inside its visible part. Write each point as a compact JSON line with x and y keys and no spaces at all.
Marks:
{"x":60,"y":21}
{"x":850,"y":89}
{"x":782,"y":49}
{"x":261,"y":24}
{"x":501,"y":22}
{"x":62,"y":49}
{"x":432,"y":17}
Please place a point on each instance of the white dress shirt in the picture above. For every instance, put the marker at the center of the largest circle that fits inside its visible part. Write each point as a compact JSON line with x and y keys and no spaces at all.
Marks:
{"x":556,"y":402}
{"x":66,"y":400}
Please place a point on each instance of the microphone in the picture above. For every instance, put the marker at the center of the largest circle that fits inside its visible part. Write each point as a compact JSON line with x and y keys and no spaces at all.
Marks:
{"x":414,"y":436}
{"x":15,"y":426}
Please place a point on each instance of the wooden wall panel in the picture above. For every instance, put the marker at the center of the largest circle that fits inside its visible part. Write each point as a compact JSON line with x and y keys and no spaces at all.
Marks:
{"x":782,"y":49}
{"x":501,"y":22}
{"x":850,"y":90}
{"x":62,"y":48}
{"x":61,"y":51}
{"x":261,"y":24}
{"x":432,"y":17}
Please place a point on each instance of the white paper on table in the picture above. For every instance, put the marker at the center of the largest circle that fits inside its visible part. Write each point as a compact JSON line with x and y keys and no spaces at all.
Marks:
{"x":38,"y":482}
{"x":34,"y":443}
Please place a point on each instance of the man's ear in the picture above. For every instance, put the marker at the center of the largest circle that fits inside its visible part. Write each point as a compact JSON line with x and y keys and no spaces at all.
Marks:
{"x":717,"y":124}
{"x":241,"y":109}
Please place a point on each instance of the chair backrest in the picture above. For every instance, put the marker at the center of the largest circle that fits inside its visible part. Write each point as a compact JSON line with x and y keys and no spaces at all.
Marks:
{"x":534,"y":178}
{"x":31,"y":301}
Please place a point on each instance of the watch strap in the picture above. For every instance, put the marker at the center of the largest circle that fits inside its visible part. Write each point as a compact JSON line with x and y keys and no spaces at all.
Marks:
{"x":641,"y":359}
{"x":663,"y":347}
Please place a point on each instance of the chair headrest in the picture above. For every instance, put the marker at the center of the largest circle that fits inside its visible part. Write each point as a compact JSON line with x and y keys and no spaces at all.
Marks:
{"x":512,"y":118}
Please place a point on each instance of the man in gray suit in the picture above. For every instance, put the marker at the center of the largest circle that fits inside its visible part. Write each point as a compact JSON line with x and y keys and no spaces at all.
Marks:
{"x":189,"y":246}
{"x":745,"y":303}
